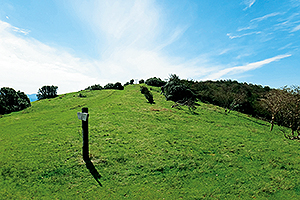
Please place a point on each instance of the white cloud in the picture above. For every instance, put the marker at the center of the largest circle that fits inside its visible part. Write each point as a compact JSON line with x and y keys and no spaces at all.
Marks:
{"x":244,"y":68}
{"x":266,"y":16}
{"x":297,"y":28}
{"x":27,"y":64}
{"x":135,"y":35}
{"x":239,"y":36}
{"x":248,"y":3}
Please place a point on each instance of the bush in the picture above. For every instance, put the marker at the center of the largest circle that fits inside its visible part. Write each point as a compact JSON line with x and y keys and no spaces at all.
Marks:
{"x":94,"y":87}
{"x":141,"y":81}
{"x":47,"y":92}
{"x":109,"y":86}
{"x":144,"y":90}
{"x":116,"y":86}
{"x":175,"y":91}
{"x":11,"y":101}
{"x":131,"y":82}
{"x":155,"y":82}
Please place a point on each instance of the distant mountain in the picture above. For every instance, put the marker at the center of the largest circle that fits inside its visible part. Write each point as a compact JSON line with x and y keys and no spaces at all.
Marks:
{"x":32,"y":97}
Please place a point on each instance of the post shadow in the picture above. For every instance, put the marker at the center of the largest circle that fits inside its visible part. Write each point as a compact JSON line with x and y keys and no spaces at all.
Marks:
{"x":85,"y":147}
{"x":90,"y":166}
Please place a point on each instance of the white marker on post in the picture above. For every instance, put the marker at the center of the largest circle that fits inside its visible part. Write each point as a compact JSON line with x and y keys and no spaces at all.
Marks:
{"x":82,"y":116}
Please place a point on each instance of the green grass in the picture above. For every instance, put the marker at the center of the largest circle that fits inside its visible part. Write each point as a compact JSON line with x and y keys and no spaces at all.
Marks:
{"x":143,"y":151}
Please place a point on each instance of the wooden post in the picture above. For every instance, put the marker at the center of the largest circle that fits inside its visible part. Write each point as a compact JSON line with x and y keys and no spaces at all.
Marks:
{"x":85,"y":132}
{"x":85,"y":136}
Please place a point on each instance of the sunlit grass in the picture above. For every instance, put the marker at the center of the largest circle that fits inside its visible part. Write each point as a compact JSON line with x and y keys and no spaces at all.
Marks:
{"x":143,"y":151}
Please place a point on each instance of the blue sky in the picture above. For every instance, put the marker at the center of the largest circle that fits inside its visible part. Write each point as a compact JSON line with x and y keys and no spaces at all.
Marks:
{"x":74,"y":44}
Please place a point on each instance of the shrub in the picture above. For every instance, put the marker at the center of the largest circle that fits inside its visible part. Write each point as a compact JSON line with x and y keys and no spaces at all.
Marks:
{"x":47,"y":92}
{"x":109,"y":86}
{"x":175,"y":91}
{"x":127,"y":83}
{"x":144,"y":90}
{"x":131,"y":82}
{"x":116,"y":86}
{"x":94,"y":87}
{"x":11,"y":101}
{"x":155,"y":82}
{"x":141,"y":81}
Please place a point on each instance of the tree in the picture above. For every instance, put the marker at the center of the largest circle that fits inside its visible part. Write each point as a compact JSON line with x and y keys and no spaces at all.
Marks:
{"x":94,"y":87}
{"x":116,"y":86}
{"x":141,"y":81}
{"x":155,"y":82}
{"x":11,"y":101}
{"x":291,"y":111}
{"x":47,"y":92}
{"x":175,"y":91}
{"x":109,"y":86}
{"x":275,"y":103}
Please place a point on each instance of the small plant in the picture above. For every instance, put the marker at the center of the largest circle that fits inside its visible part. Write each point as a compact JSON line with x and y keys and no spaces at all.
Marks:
{"x":81,"y":95}
{"x":144,"y":90}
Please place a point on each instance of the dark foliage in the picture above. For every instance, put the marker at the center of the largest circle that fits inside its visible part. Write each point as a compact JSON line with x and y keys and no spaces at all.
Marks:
{"x":141,"y":81}
{"x":11,"y":101}
{"x":155,"y":82}
{"x":176,"y":91}
{"x":229,"y":94}
{"x":94,"y":87}
{"x":144,"y":90}
{"x":131,"y":82}
{"x":116,"y":86}
{"x":109,"y":86}
{"x":47,"y":92}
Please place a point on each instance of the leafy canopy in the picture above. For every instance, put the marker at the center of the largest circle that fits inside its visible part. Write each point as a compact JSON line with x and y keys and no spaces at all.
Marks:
{"x":11,"y":101}
{"x":47,"y":92}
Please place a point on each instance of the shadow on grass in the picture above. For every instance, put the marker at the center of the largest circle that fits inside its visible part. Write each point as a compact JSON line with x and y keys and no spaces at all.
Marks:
{"x":90,"y":166}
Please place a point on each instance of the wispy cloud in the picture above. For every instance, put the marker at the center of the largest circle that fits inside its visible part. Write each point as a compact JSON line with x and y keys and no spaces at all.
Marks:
{"x":297,"y":28}
{"x":266,"y":16}
{"x":244,"y":68}
{"x":242,"y":35}
{"x":136,"y":33}
{"x":248,"y":3}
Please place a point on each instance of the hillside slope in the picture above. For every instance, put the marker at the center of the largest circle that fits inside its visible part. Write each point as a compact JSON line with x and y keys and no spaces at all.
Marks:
{"x":143,"y":151}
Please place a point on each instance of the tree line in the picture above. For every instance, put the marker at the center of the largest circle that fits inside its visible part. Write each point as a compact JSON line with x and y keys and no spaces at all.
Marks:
{"x":279,"y":106}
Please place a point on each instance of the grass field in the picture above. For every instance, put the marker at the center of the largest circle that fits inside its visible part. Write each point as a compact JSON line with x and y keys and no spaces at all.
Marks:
{"x":143,"y":151}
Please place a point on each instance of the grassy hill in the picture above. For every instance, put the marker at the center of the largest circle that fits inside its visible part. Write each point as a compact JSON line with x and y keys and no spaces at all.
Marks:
{"x":143,"y":151}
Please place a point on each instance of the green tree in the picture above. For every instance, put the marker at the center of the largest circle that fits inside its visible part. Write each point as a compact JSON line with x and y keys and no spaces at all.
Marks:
{"x":94,"y":87}
{"x":155,"y":82}
{"x":11,"y":101}
{"x":47,"y":92}
{"x":175,"y":91}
